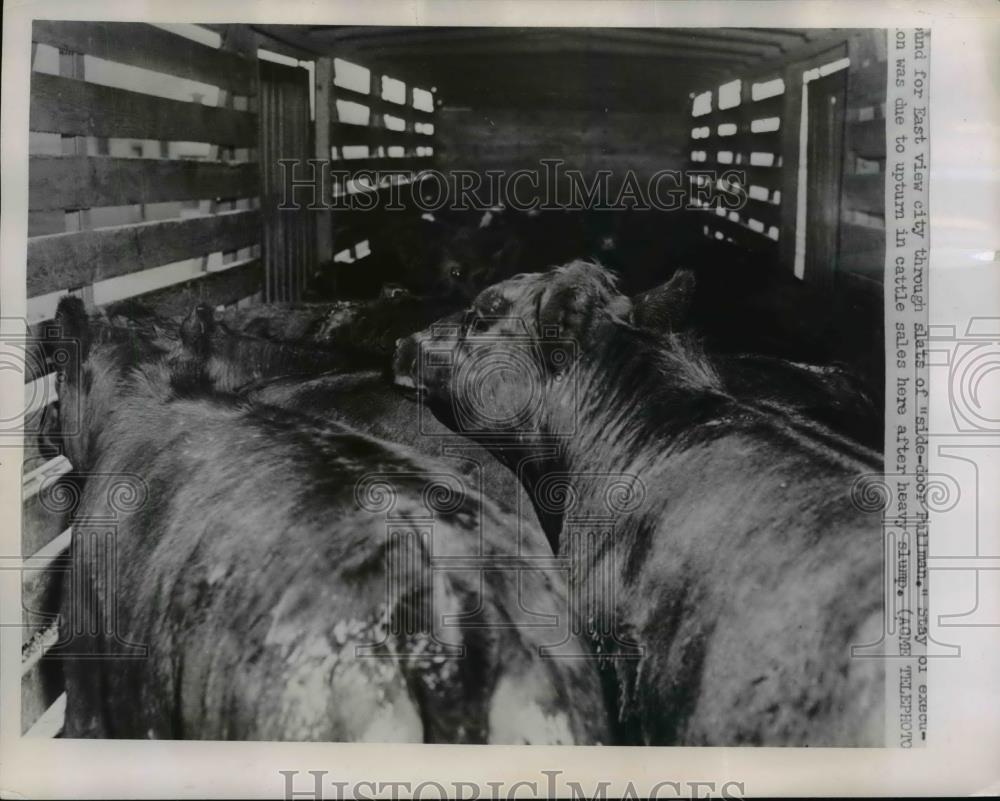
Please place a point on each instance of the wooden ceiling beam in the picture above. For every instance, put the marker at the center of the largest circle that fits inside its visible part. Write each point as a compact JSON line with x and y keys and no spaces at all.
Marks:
{"x":535,"y":47}
{"x":368,"y":35}
{"x":292,"y":36}
{"x":422,"y":41}
{"x":784,"y":39}
{"x":683,"y":37}
{"x":363,"y":38}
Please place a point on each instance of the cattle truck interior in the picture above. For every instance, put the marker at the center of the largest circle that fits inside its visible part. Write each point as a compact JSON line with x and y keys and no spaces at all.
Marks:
{"x":323,"y":193}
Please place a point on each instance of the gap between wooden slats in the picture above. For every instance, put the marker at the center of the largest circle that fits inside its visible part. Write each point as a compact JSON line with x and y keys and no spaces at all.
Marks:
{"x":141,"y":45}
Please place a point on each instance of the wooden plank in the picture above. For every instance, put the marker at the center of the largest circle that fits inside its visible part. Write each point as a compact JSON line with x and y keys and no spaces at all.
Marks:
{"x":741,"y":235}
{"x":69,"y":106}
{"x":768,"y":142}
{"x":63,"y":261}
{"x":861,"y":239}
{"x":387,"y":165}
{"x":541,"y":46}
{"x":715,"y":118}
{"x":788,"y":179}
{"x":702,"y":40}
{"x":380,"y":106}
{"x":72,"y":65}
{"x":52,"y":553}
{"x":238,"y":39}
{"x":42,"y":576}
{"x":41,"y":678}
{"x":36,"y":363}
{"x":867,"y":138}
{"x":141,"y":45}
{"x":32,"y":456}
{"x":864,"y":193}
{"x":740,"y":147}
{"x":743,"y":114}
{"x":324,"y":114}
{"x":42,"y":526}
{"x":783,"y":39}
{"x":771,"y":177}
{"x":39,"y":477}
{"x":263,"y":40}
{"x":215,"y":289}
{"x":45,"y":514}
{"x":823,"y":45}
{"x":41,"y":223}
{"x":39,"y":391}
{"x":288,"y":240}
{"x":344,"y":134}
{"x":862,"y":275}
{"x":866,"y":85}
{"x":75,"y":182}
{"x":867,"y":264}
{"x":768,"y":107}
{"x":763,"y":210}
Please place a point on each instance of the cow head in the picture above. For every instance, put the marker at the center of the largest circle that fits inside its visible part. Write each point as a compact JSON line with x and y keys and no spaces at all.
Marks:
{"x":475,"y":255}
{"x":92,"y":354}
{"x":497,"y":368}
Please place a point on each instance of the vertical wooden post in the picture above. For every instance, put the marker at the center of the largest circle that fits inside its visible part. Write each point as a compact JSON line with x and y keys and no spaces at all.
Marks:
{"x":238,"y":39}
{"x":411,"y":148}
{"x":376,"y":120}
{"x":71,"y":66}
{"x":324,"y":115}
{"x":790,"y":119}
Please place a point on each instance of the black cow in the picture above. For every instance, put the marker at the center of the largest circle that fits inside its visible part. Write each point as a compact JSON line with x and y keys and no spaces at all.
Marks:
{"x":737,"y":572}
{"x":245,"y":585}
{"x":358,"y":333}
{"x":366,"y":401}
{"x":362,"y":399}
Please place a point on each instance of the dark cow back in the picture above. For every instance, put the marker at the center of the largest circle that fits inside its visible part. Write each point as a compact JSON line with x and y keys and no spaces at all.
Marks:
{"x":742,"y":573}
{"x":274,"y":577}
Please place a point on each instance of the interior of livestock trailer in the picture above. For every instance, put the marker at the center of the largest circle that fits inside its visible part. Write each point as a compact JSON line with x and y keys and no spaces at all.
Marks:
{"x":163,"y":157}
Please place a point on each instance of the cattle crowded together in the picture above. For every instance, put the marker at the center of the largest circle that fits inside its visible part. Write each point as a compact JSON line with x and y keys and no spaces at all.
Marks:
{"x":537,"y":509}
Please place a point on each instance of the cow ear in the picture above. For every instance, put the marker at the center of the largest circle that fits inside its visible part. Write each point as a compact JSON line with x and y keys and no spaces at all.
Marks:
{"x":564,"y":311}
{"x":665,"y":307}
{"x":572,"y":305}
{"x":196,"y":331}
{"x":73,"y":336}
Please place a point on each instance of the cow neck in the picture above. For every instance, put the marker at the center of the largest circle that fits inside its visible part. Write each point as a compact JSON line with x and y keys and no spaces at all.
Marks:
{"x":635,"y":397}
{"x":631,"y":398}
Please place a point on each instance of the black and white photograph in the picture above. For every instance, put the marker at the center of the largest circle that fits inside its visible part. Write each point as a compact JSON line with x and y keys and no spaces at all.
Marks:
{"x":477,"y":385}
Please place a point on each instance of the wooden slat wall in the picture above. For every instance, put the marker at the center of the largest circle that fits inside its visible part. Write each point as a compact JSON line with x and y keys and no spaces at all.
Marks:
{"x":59,"y":261}
{"x":238,"y":281}
{"x":146,"y":46}
{"x":63,"y":191}
{"x":380,"y":106}
{"x":862,"y":229}
{"x":862,"y":219}
{"x":73,"y":182}
{"x":325,"y":114}
{"x":350,"y":228}
{"x":734,"y":151}
{"x":67,"y":106}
